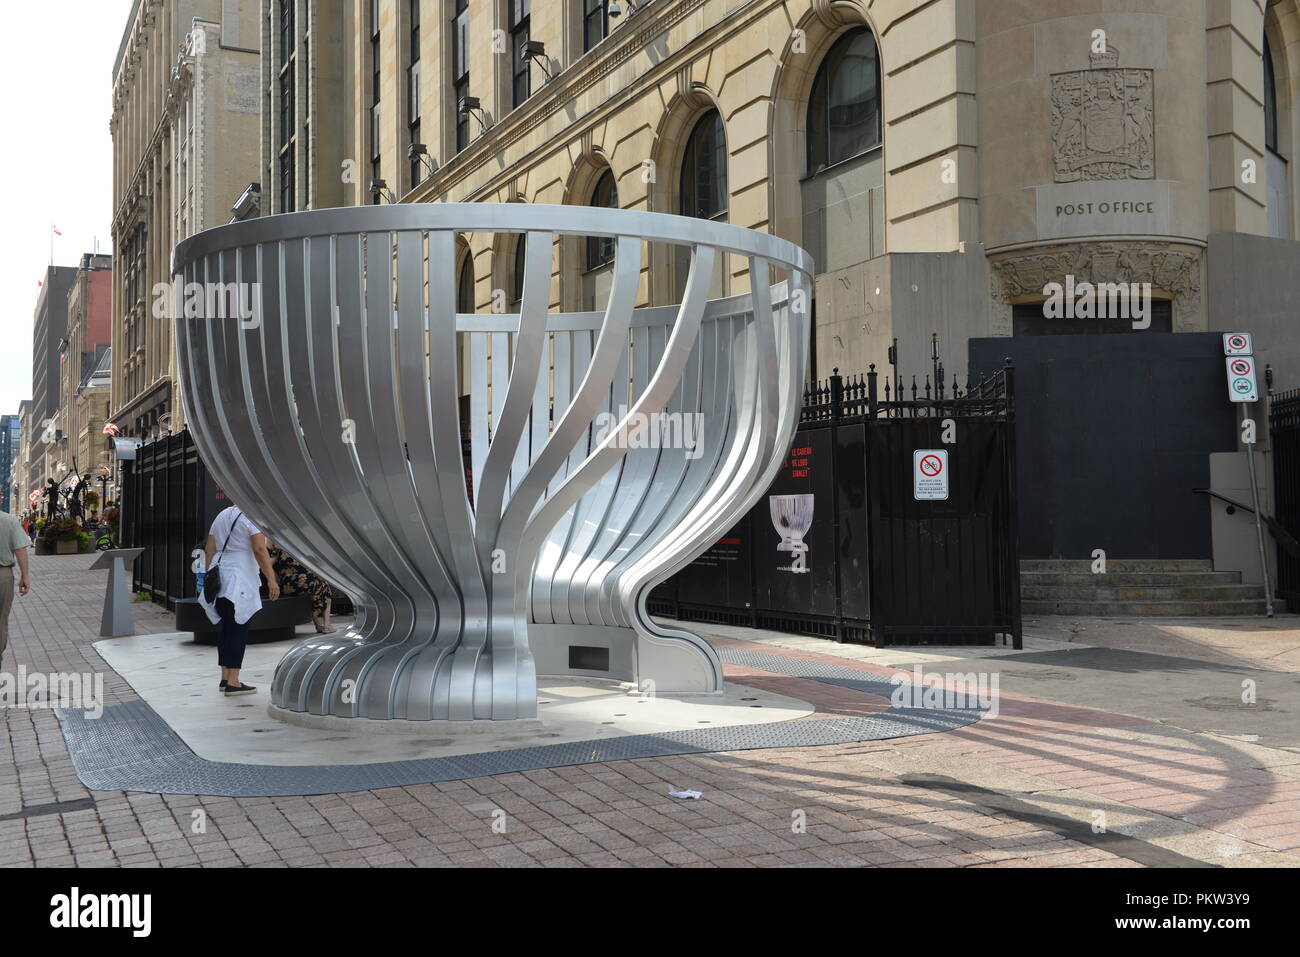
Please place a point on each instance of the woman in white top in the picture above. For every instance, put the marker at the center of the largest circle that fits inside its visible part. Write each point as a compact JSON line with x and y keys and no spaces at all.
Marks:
{"x":238,"y":548}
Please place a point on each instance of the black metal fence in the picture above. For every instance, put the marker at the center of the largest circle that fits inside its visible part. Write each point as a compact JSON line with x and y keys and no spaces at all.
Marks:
{"x":168,"y":503}
{"x":892,"y":521}
{"x":1284,"y":435}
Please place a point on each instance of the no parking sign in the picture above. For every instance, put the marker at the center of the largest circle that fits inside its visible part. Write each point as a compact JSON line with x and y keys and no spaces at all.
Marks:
{"x":1237,"y":344}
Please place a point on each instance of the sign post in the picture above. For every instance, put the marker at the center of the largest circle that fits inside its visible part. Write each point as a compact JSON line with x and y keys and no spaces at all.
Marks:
{"x":118,"y":619}
{"x":1243,"y":388}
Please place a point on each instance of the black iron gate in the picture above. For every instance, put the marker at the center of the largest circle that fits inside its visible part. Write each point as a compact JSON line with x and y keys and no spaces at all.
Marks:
{"x":1284,"y":437}
{"x":892,"y":521}
{"x":168,"y":503}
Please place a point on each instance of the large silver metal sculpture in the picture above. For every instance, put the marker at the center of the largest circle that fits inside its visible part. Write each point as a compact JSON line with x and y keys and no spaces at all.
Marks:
{"x":328,"y":409}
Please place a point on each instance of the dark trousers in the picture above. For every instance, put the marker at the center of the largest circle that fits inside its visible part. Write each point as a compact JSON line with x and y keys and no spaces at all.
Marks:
{"x":234,"y":637}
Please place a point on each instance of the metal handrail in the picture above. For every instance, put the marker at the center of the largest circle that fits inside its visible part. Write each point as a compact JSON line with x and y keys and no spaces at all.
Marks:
{"x":1280,"y":534}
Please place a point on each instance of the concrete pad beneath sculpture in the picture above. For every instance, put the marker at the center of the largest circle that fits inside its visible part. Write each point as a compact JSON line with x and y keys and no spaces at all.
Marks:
{"x":177,"y":678}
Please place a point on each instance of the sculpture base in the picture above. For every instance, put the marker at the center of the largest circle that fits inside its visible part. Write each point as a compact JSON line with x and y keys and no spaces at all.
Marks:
{"x":334,"y":722}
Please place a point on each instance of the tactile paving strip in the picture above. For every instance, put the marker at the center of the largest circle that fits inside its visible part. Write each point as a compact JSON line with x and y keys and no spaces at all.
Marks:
{"x":130,"y":748}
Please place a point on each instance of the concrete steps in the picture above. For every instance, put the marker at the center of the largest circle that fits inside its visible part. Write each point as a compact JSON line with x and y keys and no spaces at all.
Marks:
{"x":1173,"y":588}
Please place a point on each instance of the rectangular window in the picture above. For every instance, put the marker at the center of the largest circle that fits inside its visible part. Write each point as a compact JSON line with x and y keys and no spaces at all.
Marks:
{"x":413,"y":91}
{"x":595,"y":22}
{"x":286,"y":179}
{"x":288,"y":68}
{"x":416,"y":161}
{"x":286,"y":106}
{"x":520,"y":69}
{"x":287,"y":33}
{"x":414,"y":51}
{"x":460,"y":70}
{"x":374,"y":96}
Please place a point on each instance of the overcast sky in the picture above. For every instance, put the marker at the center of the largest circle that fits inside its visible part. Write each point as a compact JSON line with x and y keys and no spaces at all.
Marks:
{"x":56,"y":63}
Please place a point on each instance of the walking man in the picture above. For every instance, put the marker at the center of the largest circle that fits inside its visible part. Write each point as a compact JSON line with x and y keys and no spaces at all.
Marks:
{"x":13,"y":549}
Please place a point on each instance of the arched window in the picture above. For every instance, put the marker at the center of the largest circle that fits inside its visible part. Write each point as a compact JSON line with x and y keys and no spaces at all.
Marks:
{"x":600,"y":249}
{"x":465,"y":284}
{"x":844,"y":108}
{"x":704,"y":169}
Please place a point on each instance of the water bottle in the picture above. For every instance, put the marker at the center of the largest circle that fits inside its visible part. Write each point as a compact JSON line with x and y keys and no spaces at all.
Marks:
{"x":198,"y":580}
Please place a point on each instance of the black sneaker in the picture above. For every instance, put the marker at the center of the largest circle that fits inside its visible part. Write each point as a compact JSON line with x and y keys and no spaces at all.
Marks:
{"x":241,"y":688}
{"x":224,"y":684}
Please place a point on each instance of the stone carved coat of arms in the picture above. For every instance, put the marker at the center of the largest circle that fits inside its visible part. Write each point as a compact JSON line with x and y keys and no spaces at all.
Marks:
{"x":1102,"y":122}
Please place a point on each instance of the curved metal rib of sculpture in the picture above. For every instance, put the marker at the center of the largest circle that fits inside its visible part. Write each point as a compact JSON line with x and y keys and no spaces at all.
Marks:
{"x":328,"y":410}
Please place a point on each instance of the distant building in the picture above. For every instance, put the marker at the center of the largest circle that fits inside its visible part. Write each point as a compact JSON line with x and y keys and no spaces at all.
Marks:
{"x":185,"y":147}
{"x":21,"y":475}
{"x":10,"y":446}
{"x":49,"y":339}
{"x":84,"y":405}
{"x":91,"y":402}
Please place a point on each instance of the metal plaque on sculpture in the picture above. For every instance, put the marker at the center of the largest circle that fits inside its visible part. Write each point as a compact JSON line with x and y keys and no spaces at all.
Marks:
{"x":1103,"y":122}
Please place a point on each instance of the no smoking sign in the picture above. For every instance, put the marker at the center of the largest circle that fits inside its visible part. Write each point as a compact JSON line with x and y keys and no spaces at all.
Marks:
{"x":930,"y":475}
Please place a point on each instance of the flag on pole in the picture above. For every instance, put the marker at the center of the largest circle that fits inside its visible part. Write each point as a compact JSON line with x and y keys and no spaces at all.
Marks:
{"x":56,"y":230}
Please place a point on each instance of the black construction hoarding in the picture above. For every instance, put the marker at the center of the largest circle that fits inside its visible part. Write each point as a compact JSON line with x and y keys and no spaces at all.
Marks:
{"x":889,"y":522}
{"x":794,"y":531}
{"x":721,"y":576}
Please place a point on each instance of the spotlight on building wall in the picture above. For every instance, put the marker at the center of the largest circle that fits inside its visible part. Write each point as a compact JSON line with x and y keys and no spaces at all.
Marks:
{"x":536,"y":50}
{"x":615,"y":10}
{"x":379,"y":187}
{"x":419,"y":149}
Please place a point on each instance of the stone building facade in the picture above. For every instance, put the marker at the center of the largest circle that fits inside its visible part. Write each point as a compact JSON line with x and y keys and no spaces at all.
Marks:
{"x":185,"y":134}
{"x":22,"y":467}
{"x":971,"y":151}
{"x":946,"y":162}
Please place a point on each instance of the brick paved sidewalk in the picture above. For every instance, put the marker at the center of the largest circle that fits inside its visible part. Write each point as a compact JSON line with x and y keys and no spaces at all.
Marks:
{"x":1027,"y":788}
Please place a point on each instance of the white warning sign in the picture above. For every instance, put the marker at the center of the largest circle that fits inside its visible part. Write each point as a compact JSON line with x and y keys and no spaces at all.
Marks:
{"x":1237,"y":344}
{"x":1241,"y":379}
{"x":930,"y":475}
